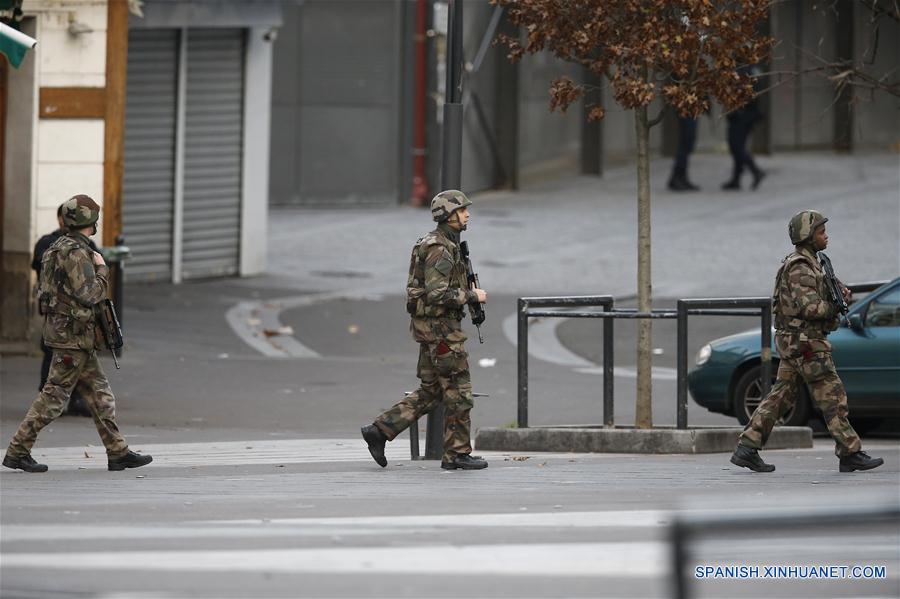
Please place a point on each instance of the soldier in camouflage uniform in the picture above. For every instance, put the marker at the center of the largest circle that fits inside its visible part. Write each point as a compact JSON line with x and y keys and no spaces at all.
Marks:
{"x":73,"y":279}
{"x":436,"y":293}
{"x":804,"y":315}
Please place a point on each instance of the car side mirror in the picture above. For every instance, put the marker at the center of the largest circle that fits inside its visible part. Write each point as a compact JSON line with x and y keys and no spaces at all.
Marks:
{"x":854,"y":321}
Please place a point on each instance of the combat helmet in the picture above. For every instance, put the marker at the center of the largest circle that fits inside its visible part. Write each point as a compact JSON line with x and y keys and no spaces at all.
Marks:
{"x":803,"y":225}
{"x":80,"y":211}
{"x":444,"y":203}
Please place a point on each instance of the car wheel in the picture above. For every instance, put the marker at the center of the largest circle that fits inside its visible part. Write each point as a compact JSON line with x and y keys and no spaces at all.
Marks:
{"x":748,"y":395}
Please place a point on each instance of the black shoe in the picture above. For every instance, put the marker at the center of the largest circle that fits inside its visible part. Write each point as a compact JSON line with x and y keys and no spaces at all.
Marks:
{"x":681,"y":184}
{"x":25,"y":463}
{"x":733,"y":185}
{"x":129,"y":460}
{"x":747,"y":457}
{"x":855,"y":461}
{"x":758,"y":176}
{"x":465,"y":461}
{"x":376,"y":440}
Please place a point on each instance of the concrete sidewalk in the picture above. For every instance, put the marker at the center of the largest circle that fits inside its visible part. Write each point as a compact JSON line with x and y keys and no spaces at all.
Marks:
{"x":578,"y":236}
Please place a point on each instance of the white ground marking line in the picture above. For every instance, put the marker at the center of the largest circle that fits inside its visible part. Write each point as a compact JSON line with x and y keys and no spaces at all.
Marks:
{"x":543,"y":344}
{"x":340,"y":526}
{"x":626,"y":560}
{"x":249,"y":320}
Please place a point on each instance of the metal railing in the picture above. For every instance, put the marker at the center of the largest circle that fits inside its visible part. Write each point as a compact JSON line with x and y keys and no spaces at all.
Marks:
{"x":558,"y":307}
{"x":684,"y":529}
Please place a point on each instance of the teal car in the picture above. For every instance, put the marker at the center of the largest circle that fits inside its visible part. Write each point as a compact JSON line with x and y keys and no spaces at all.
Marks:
{"x":726,"y":377}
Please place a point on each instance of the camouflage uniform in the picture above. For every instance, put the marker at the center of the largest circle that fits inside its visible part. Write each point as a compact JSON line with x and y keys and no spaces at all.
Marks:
{"x":436,"y":295}
{"x":70,"y":285}
{"x":803,"y":318}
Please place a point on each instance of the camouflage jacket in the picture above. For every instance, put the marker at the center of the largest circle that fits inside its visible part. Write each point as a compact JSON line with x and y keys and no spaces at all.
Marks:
{"x":69,"y":287}
{"x":800,"y":299}
{"x":436,"y":285}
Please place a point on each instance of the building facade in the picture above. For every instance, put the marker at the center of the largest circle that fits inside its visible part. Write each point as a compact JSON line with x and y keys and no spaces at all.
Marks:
{"x":347,"y":105}
{"x":161,"y":114}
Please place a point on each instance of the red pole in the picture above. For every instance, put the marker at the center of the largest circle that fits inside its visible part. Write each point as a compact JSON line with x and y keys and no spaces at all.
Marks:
{"x":419,"y":183}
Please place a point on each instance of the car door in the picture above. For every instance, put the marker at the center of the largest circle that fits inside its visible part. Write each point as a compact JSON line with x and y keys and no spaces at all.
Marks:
{"x":868,"y":355}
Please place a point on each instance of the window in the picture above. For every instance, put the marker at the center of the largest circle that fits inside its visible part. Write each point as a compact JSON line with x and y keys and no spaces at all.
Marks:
{"x":884,"y":311}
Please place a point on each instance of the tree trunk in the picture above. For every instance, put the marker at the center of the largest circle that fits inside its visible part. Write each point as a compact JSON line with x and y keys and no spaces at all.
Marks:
{"x":643,"y":417}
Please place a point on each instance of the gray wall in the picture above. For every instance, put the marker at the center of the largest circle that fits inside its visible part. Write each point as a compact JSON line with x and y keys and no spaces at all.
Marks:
{"x":876,"y":118}
{"x":342,"y":104}
{"x":549,"y":142}
{"x":802,"y":110}
{"x":335,"y":92}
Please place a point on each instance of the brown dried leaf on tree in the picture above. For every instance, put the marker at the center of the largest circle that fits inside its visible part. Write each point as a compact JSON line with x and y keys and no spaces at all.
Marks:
{"x":694,"y":50}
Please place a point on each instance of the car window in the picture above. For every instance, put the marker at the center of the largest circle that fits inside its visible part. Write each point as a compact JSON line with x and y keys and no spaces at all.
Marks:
{"x":884,"y":311}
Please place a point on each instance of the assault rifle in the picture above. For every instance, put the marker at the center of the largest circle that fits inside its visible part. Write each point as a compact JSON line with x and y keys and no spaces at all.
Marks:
{"x":834,"y":286}
{"x":476,"y":309}
{"x":105,"y":314}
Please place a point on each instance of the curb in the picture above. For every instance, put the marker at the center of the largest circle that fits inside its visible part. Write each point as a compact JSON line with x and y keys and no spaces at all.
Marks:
{"x":588,"y":439}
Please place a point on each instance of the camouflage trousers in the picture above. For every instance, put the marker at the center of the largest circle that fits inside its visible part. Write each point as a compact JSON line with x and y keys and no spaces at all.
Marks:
{"x":443,"y":369}
{"x":826,"y":390}
{"x":68,"y":369}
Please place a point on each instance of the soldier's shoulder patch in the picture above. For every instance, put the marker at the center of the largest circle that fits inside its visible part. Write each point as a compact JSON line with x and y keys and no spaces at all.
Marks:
{"x":444,"y":263}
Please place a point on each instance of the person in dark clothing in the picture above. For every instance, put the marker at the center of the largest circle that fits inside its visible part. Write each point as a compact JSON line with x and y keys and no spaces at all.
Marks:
{"x":740,"y":125}
{"x":687,"y":139}
{"x":77,"y":405}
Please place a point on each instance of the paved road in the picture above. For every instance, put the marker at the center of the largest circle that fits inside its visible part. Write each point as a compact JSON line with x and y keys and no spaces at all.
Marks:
{"x":309,"y":518}
{"x":250,"y":392}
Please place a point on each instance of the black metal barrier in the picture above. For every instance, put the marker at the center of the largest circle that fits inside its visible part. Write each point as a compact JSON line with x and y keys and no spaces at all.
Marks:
{"x":687,"y":528}
{"x":559,"y":307}
{"x":760,"y":305}
{"x":533,"y":307}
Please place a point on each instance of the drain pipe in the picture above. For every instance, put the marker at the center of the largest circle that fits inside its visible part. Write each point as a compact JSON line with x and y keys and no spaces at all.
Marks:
{"x":419,"y":183}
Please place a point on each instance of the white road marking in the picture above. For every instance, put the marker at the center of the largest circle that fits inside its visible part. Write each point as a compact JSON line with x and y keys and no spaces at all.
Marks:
{"x":251,"y":319}
{"x":543,"y":344}
{"x":628,"y":560}
{"x":336,"y":526}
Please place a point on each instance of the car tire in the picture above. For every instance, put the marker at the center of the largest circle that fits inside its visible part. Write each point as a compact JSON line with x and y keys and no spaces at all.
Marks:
{"x":747,"y":396}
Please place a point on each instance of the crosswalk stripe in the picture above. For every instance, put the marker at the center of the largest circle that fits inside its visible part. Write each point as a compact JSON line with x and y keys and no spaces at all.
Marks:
{"x":628,"y":559}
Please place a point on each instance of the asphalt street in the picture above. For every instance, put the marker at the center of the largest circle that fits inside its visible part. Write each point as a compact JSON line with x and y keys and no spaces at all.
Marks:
{"x":249,"y":393}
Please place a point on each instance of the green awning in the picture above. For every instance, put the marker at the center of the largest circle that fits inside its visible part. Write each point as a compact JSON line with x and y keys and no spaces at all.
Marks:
{"x":14,"y":44}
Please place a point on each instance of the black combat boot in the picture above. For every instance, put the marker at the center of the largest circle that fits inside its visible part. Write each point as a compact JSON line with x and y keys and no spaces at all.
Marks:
{"x":747,"y":457}
{"x":855,"y":461}
{"x":129,"y":460}
{"x":680,"y":182}
{"x":758,"y":176}
{"x":375,"y":440}
{"x":25,"y":463}
{"x":465,"y":461}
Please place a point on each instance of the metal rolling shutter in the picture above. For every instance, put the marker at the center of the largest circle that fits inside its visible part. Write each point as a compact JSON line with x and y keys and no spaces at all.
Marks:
{"x":148,"y":185}
{"x":213,"y":152}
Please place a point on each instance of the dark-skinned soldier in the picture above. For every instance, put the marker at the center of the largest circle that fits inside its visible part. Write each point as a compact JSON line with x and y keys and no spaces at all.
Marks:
{"x":73,"y":279}
{"x":804,"y":315}
{"x":436,"y":293}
